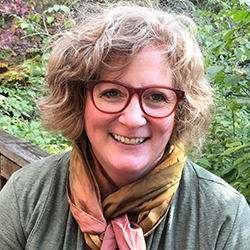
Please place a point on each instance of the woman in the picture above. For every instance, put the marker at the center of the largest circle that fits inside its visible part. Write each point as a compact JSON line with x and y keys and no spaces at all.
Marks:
{"x":128,"y":89}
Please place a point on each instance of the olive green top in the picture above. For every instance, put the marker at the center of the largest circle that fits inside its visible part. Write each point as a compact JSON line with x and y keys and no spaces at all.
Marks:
{"x":206,"y":213}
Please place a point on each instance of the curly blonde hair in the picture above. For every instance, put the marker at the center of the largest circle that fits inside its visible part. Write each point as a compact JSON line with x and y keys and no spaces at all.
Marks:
{"x":118,"y":33}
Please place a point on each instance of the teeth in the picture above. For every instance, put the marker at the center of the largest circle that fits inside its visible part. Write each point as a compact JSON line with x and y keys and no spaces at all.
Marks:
{"x":126,"y":140}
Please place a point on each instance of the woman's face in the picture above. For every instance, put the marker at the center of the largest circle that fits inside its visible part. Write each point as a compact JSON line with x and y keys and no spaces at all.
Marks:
{"x":125,"y":162}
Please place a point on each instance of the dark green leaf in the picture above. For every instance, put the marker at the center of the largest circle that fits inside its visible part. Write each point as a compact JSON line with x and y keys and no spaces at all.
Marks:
{"x":242,"y":167}
{"x":227,"y":35}
{"x":240,"y":15}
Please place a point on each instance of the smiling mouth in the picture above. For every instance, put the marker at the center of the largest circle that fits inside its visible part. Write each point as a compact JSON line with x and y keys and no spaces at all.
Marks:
{"x":128,"y":141}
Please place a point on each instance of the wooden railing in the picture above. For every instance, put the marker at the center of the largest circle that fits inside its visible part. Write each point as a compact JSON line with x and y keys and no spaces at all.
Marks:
{"x":15,"y":153}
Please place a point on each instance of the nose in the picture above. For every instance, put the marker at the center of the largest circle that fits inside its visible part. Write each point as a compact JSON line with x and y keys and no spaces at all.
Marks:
{"x":133,"y":116}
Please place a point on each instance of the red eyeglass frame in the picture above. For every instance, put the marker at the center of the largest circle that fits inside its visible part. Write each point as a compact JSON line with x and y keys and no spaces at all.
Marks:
{"x":139,"y":91}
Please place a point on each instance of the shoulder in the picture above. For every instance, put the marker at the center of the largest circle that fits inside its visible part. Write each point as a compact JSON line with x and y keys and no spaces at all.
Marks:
{"x":27,"y":197}
{"x":221,"y":209}
{"x":211,"y":197}
{"x":35,"y":184}
{"x":209,"y":206}
{"x":42,"y":170}
{"x":207,"y":183}
{"x":206,"y":212}
{"x":43,"y":165}
{"x":214,"y":197}
{"x":37,"y":180}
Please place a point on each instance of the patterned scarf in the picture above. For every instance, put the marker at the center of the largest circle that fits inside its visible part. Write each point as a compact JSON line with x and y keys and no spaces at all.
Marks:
{"x":120,"y":219}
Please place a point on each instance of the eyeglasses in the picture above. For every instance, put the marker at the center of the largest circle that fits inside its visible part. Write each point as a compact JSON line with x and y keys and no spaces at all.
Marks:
{"x":113,"y":97}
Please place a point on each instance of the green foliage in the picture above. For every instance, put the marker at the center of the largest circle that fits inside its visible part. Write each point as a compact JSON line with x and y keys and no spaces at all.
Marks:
{"x":19,"y":116}
{"x":22,"y":76}
{"x":226,"y":40}
{"x":26,"y":31}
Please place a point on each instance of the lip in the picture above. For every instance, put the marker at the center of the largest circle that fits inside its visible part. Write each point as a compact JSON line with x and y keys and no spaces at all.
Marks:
{"x":129,"y":140}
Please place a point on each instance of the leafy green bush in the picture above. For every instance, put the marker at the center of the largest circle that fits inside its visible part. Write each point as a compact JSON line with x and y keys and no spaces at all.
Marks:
{"x":226,"y":41}
{"x":19,"y":116}
{"x":25,"y":35}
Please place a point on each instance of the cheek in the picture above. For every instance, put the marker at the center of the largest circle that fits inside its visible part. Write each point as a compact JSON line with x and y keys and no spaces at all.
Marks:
{"x":166,"y":128}
{"x":168,"y":123}
{"x":96,"y":122}
{"x":91,"y":118}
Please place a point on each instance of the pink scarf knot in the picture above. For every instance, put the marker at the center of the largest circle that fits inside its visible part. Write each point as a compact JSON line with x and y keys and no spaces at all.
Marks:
{"x":123,"y":234}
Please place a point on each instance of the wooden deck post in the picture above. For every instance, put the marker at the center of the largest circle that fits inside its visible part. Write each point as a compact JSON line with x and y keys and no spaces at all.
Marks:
{"x":15,"y":153}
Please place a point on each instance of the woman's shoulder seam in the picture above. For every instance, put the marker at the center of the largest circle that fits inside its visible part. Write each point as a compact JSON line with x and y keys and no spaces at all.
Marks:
{"x":204,"y":175}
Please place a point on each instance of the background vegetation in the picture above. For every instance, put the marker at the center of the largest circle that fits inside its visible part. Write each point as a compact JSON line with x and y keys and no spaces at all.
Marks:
{"x":27,"y":29}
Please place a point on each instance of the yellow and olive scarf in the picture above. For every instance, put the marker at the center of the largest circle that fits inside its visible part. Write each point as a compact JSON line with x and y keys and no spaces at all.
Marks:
{"x":120,"y":219}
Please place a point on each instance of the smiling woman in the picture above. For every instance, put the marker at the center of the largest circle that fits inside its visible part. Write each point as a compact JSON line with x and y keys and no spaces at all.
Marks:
{"x":147,"y":71}
{"x":127,"y":87}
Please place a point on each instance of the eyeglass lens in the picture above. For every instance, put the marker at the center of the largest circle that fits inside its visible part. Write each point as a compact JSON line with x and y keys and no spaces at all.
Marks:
{"x":112,"y":98}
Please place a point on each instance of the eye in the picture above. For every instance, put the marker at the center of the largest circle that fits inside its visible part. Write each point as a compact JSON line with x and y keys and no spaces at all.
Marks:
{"x":155,"y":96}
{"x":111,"y":93}
{"x":158,"y":97}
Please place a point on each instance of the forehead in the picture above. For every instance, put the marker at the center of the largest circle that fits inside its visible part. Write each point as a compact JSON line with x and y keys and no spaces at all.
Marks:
{"x":149,"y":67}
